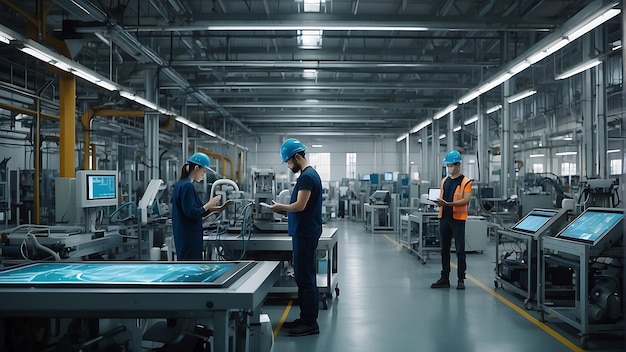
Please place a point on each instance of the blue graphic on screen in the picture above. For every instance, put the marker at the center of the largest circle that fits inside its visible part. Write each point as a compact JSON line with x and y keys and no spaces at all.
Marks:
{"x":591,"y":225}
{"x":140,"y":273}
{"x":101,"y":187}
{"x":533,"y":221}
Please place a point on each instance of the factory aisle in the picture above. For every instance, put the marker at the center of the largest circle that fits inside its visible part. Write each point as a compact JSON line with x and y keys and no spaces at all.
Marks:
{"x":386,"y":304}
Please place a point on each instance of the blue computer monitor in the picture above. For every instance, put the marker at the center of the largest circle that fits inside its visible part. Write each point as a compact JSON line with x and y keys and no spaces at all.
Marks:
{"x":590,"y":226}
{"x":96,"y":188}
{"x":533,"y":221}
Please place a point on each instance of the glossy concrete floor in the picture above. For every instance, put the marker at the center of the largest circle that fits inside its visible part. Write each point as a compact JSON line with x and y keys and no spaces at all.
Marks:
{"x":386,"y":304}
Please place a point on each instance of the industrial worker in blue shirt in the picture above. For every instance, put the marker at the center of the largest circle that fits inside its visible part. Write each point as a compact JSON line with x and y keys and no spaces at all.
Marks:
{"x":304,"y":216}
{"x":188,"y":211}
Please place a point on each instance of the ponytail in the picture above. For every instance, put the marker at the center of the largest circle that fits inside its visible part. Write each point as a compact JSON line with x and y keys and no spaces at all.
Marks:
{"x":186,"y":170}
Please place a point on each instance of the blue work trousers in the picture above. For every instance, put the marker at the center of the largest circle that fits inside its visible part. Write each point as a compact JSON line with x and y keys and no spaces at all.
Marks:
{"x":304,"y":260}
{"x":448,"y":229}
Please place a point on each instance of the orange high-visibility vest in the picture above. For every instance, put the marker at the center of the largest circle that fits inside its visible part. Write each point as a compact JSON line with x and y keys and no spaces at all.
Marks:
{"x":458,"y":213}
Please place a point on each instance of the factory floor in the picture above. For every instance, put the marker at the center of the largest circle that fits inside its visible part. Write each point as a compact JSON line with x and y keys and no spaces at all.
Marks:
{"x":386,"y":304}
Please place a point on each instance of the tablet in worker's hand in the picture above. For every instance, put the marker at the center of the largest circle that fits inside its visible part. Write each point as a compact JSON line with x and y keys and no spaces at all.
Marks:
{"x":264,"y":204}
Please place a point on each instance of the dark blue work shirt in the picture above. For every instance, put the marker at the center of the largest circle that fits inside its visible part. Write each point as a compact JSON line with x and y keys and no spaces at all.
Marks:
{"x":187,"y":214}
{"x":308,"y":222}
{"x":449,"y":186}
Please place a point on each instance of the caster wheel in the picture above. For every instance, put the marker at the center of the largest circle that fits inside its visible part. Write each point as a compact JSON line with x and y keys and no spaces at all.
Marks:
{"x":325,"y":303}
{"x":528,"y":304}
{"x":337,"y":291}
{"x":495,"y":284}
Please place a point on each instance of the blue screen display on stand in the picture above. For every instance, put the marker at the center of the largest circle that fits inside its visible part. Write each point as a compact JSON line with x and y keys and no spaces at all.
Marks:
{"x":101,"y":187}
{"x":591,"y":225}
{"x":533,"y":221}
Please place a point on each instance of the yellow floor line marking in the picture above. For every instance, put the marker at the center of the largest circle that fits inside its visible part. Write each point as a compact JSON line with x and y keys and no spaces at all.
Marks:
{"x":513,"y":306}
{"x":283,"y":317}
{"x":524,"y":314}
{"x":398,"y":245}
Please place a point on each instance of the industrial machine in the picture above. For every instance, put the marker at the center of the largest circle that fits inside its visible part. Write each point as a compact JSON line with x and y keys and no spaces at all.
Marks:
{"x":603,"y":193}
{"x":264,"y":191}
{"x":378,"y":212}
{"x":591,"y":247}
{"x":109,"y":305}
{"x":518,"y":248}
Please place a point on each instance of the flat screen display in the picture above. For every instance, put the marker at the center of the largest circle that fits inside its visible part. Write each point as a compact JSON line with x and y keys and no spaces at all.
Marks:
{"x":123,"y":273}
{"x":591,"y":225}
{"x":101,"y":187}
{"x":532,"y":222}
{"x":388,"y":176}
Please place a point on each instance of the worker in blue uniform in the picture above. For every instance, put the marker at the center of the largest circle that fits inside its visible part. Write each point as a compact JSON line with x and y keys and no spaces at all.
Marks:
{"x":188,"y":211}
{"x":304,"y":216}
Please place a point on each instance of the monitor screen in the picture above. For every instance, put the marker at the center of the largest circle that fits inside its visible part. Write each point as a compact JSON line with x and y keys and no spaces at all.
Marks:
{"x":374,"y":179}
{"x":366,"y":177}
{"x":96,"y":188}
{"x":388,"y":176}
{"x":591,"y":225}
{"x":101,"y":187}
{"x":532,"y":222}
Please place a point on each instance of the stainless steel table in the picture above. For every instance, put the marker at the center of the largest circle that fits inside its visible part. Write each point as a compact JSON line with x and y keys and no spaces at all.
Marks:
{"x":277,"y":246}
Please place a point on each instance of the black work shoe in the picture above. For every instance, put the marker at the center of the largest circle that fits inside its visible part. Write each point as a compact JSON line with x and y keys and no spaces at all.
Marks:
{"x":293,"y":324}
{"x":460,"y":285}
{"x":305,"y":329}
{"x":441,"y":283}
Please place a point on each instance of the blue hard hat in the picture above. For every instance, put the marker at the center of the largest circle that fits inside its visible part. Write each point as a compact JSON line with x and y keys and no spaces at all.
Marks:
{"x":290,"y":147}
{"x":452,"y":157}
{"x":200,"y":159}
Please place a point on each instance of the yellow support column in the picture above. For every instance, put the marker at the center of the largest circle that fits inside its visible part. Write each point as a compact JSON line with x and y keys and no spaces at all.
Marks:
{"x":67,"y":113}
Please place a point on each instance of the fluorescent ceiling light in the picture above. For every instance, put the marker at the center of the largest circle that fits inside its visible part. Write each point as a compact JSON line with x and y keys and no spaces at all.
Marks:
{"x":536,"y":155}
{"x":469,"y":96}
{"x":317,"y":145}
{"x":471,"y":120}
{"x":495,"y":82}
{"x":557,"y":46}
{"x":448,"y":109}
{"x":532,"y":59}
{"x":107,"y":85}
{"x":568,"y":138}
{"x":309,"y":73}
{"x":578,"y":69}
{"x":579,"y":32}
{"x":519,"y":67}
{"x":442,"y":136}
{"x":5,"y":38}
{"x":566,"y":153}
{"x":38,"y":54}
{"x":493,"y":109}
{"x":421,"y":125}
{"x":610,"y":151}
{"x":128,"y":95}
{"x":401,"y":137}
{"x":318,"y":27}
{"x":521,"y":95}
{"x":81,"y":7}
{"x":456,"y":129}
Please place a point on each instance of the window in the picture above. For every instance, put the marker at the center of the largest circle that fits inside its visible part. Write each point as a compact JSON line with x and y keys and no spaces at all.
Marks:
{"x":537,"y":168}
{"x":321,"y":163}
{"x":616,"y":167}
{"x":568,"y":169}
{"x":351,"y":165}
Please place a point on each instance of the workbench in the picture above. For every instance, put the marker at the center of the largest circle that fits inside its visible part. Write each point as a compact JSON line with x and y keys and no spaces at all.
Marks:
{"x":181,"y":290}
{"x":277,"y":246}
